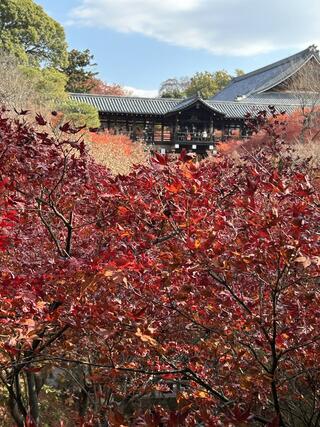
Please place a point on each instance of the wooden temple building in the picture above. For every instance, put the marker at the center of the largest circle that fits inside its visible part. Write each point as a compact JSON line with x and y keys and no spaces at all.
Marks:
{"x":197,"y":124}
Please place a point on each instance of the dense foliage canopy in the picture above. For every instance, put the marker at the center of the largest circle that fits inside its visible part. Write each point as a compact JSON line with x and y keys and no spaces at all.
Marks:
{"x":30,"y":34}
{"x":35,"y":68}
{"x":48,"y":84}
{"x":186,"y":292}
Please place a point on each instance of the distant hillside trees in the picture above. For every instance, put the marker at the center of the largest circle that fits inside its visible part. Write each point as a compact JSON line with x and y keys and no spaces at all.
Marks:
{"x":174,"y":88}
{"x":206,"y":83}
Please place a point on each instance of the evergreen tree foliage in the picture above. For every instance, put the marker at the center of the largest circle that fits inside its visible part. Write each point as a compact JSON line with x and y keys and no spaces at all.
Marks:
{"x":78,"y":71}
{"x":31,"y":35}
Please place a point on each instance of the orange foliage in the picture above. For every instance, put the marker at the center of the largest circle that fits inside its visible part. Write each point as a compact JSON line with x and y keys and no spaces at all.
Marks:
{"x":298,"y":127}
{"x":293,"y":129}
{"x":118,"y":152}
{"x":122,"y":142}
{"x":99,"y":87}
{"x":229,"y":146}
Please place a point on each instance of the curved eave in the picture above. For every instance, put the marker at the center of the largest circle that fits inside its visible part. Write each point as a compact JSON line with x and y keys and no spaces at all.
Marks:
{"x":186,"y":106}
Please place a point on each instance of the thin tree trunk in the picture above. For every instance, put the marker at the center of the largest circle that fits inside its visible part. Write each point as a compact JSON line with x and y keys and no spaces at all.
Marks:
{"x":33,"y":397}
{"x":17,"y":409}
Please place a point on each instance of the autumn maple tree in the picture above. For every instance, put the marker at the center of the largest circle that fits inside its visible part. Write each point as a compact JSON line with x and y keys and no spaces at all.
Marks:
{"x":100,"y":87}
{"x":185,"y":292}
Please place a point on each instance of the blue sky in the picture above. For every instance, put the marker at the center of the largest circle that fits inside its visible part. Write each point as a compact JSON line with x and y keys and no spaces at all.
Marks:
{"x":140,"y":43}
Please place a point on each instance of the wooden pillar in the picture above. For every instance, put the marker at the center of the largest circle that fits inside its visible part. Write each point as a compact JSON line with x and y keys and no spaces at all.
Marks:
{"x":243,"y":132}
{"x":227,"y":131}
{"x":222,"y":131}
{"x":152,"y":131}
{"x":162,"y":132}
{"x":211,"y":126}
{"x":173,"y":130}
{"x":133,"y":133}
{"x":144,"y":130}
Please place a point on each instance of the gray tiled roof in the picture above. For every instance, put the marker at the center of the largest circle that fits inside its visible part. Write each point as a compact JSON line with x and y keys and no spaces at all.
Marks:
{"x":126,"y":104}
{"x":283,"y":98}
{"x":267,"y":77}
{"x":273,"y":97}
{"x":239,"y":109}
{"x":162,"y":106}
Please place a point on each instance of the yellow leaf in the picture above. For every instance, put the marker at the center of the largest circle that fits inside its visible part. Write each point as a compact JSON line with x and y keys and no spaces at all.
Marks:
{"x":201,"y":394}
{"x":149,"y":340}
{"x":41,"y":304}
{"x":305,"y":261}
{"x":108,"y":273}
{"x":146,"y":338}
{"x":197,"y":244}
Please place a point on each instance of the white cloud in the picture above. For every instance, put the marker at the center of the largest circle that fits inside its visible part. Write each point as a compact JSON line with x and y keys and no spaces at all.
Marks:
{"x":229,"y":27}
{"x":143,"y":93}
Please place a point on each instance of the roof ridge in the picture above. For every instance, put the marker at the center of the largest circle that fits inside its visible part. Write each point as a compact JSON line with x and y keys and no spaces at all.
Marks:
{"x":189,"y":98}
{"x":247,"y":103}
{"x":124,"y":97}
{"x":311,"y":50}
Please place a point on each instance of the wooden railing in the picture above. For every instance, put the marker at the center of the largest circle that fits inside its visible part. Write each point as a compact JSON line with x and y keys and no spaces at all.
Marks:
{"x":191,"y":137}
